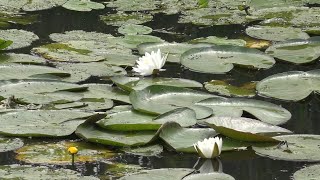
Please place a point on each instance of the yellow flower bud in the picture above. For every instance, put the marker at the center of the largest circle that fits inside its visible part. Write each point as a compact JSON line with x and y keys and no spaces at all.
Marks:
{"x":73,"y":150}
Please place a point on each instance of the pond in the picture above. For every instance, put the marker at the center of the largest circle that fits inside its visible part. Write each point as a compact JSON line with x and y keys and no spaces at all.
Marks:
{"x":245,"y":71}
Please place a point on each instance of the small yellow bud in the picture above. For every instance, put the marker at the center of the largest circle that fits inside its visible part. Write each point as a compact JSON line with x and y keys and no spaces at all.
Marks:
{"x":73,"y":150}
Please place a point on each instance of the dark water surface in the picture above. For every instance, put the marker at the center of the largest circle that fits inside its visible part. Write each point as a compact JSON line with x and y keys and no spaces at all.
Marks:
{"x":241,"y":165}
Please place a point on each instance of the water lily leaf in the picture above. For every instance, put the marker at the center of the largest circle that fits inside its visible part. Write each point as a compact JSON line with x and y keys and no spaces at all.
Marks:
{"x":182,"y":139}
{"x":91,"y":105}
{"x":292,"y":85}
{"x":223,"y":88}
{"x":301,"y":147}
{"x":234,"y":107}
{"x":157,"y":99}
{"x":16,"y":71}
{"x":122,"y":18}
{"x":139,"y":83}
{"x":308,"y":173}
{"x":21,"y":59}
{"x":9,"y":15}
{"x":219,"y":41}
{"x":10,"y":144}
{"x":257,"y":43}
{"x":41,"y":123}
{"x":209,"y":176}
{"x":93,"y":133}
{"x":82,"y":5}
{"x":5,"y":43}
{"x":75,"y":35}
{"x":151,"y":150}
{"x":296,"y":51}
{"x":120,"y":59}
{"x":56,"y":153}
{"x":20,"y":38}
{"x":276,"y":33}
{"x":34,"y":5}
{"x":259,"y":4}
{"x":137,"y":5}
{"x":244,"y":129}
{"x":174,"y":50}
{"x":159,"y":174}
{"x":132,"y":41}
{"x":134,"y":29}
{"x":16,"y":171}
{"x":220,"y":59}
{"x":117,"y":170}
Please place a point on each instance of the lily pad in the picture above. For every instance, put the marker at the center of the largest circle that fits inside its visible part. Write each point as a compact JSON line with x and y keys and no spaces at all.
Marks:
{"x":132,"y":41}
{"x":209,"y":176}
{"x":41,"y":123}
{"x":219,"y":41}
{"x":308,"y":173}
{"x":120,"y":59}
{"x":20,"y":38}
{"x":57,"y":153}
{"x":137,"y":5}
{"x":21,"y":59}
{"x":159,"y":174}
{"x":220,"y":59}
{"x":96,"y":134}
{"x":9,"y":16}
{"x":151,"y":150}
{"x":234,"y":107}
{"x":10,"y":144}
{"x":292,"y":85}
{"x":34,"y":5}
{"x":28,"y":172}
{"x":244,"y":129}
{"x":122,"y":18}
{"x":301,"y":147}
{"x":223,"y":88}
{"x":134,"y":29}
{"x":75,"y":35}
{"x":297,"y":51}
{"x":5,"y":43}
{"x":82,"y":5}
{"x":276,"y":33}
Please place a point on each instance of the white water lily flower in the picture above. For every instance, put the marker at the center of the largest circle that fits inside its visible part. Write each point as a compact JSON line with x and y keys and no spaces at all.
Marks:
{"x":209,"y":148}
{"x":150,"y":63}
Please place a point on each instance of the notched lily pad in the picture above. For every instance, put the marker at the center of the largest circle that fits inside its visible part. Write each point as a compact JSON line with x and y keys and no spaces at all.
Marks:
{"x":225,"y":89}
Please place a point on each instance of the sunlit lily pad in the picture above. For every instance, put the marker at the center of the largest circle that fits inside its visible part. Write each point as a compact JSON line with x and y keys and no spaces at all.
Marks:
{"x":122,"y":18}
{"x":82,"y":5}
{"x":139,"y":83}
{"x":296,"y":51}
{"x":96,"y":134}
{"x":220,"y":59}
{"x":276,"y":33}
{"x":75,"y":35}
{"x":134,"y":29}
{"x":301,"y":147}
{"x":34,"y":5}
{"x":234,"y":107}
{"x":209,"y":176}
{"x":151,"y":150}
{"x":16,"y":171}
{"x":219,"y":41}
{"x":41,"y":123}
{"x":223,"y":88}
{"x":10,"y":144}
{"x":292,"y":85}
{"x":137,"y":5}
{"x":244,"y":129}
{"x":308,"y":173}
{"x":20,"y":38}
{"x":260,"y":4}
{"x":121,"y":59}
{"x":57,"y":153}
{"x":159,"y":174}
{"x":132,"y":41}
{"x":21,"y":59}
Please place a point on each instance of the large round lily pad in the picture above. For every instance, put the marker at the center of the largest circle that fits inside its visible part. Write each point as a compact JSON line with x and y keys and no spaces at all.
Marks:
{"x":301,"y":147}
{"x":209,"y":176}
{"x":34,"y":5}
{"x":159,"y":174}
{"x":244,"y":129}
{"x":308,"y":173}
{"x":80,"y":5}
{"x":20,"y":38}
{"x":9,"y":144}
{"x":57,"y":153}
{"x":220,"y":59}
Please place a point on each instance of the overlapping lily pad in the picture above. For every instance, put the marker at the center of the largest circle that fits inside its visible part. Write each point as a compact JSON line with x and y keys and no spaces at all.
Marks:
{"x":134,"y":29}
{"x":223,"y":88}
{"x":220,"y":59}
{"x":80,"y":5}
{"x":20,"y":38}
{"x":301,"y":147}
{"x":220,"y":41}
{"x":137,"y":5}
{"x":122,"y":18}
{"x":244,"y":129}
{"x":9,"y":16}
{"x":308,"y":173}
{"x":34,"y":5}
{"x":9,"y":144}
{"x":292,"y":85}
{"x":57,"y":153}
{"x":21,"y":59}
{"x":151,"y":150}
{"x":132,"y":41}
{"x":159,"y":174}
{"x":75,"y":35}
{"x":5,"y":43}
{"x":209,"y":176}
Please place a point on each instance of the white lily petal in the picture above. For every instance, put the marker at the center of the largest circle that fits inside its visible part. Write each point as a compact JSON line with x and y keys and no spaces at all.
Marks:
{"x":207,"y":146}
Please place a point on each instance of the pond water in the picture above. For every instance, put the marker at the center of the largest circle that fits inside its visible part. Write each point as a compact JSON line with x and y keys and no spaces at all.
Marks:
{"x":243,"y":165}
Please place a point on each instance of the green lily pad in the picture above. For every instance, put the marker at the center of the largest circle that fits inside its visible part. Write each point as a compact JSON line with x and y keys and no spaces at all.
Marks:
{"x":292,"y":85}
{"x":75,"y":35}
{"x":137,"y":5}
{"x":117,"y":170}
{"x":301,"y":147}
{"x":159,"y":174}
{"x":157,"y":99}
{"x":134,"y":29}
{"x":219,"y":41}
{"x":10,"y":144}
{"x":5,"y":43}
{"x":93,"y":133}
{"x":21,"y":59}
{"x":234,"y":107}
{"x":9,"y":16}
{"x":209,"y":176}
{"x":41,"y":123}
{"x":260,"y":4}
{"x":139,"y":83}
{"x":34,"y":5}
{"x":244,"y":129}
{"x":20,"y":38}
{"x":223,"y":88}
{"x":276,"y":33}
{"x":28,"y":172}
{"x":57,"y":153}
{"x":182,"y":139}
{"x":220,"y":59}
{"x":122,"y":18}
{"x":132,"y":41}
{"x":120,"y":59}
{"x":308,"y":173}
{"x":87,"y":105}
{"x":82,"y":5}
{"x":151,"y":150}
{"x":297,"y":51}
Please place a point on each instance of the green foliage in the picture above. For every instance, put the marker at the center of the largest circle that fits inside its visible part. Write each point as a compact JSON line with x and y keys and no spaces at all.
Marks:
{"x":203,"y":3}
{"x":5,"y":43}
